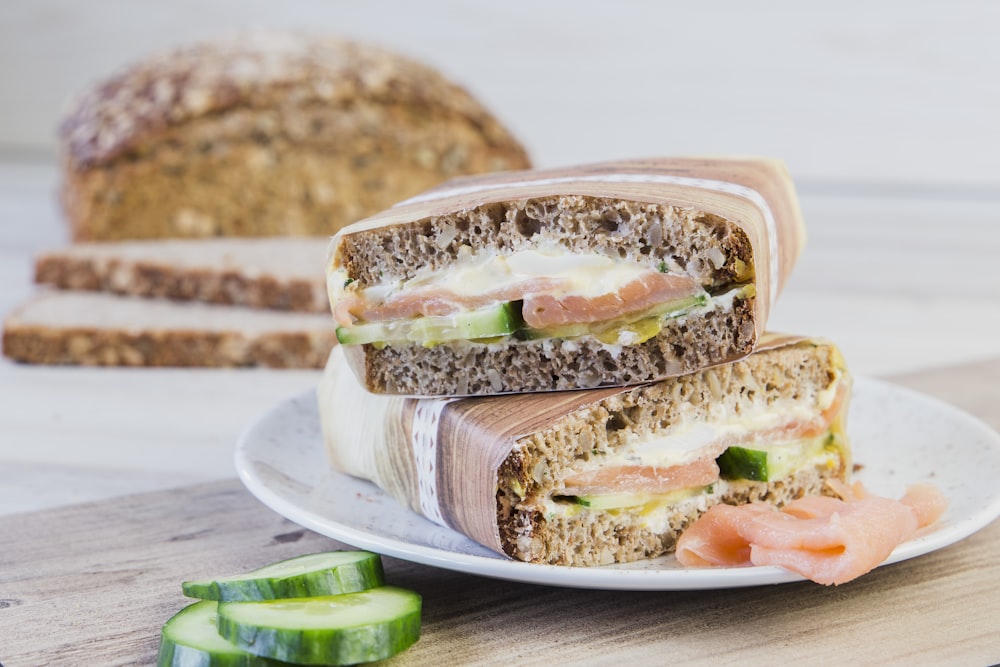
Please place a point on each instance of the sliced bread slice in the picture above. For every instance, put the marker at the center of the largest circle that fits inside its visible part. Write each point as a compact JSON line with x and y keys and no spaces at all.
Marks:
{"x":99,"y":329}
{"x":278,"y":273}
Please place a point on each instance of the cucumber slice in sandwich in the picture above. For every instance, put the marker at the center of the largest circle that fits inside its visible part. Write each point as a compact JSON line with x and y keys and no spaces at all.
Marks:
{"x":191,"y":638}
{"x":329,"y":630}
{"x":329,"y":573}
{"x":498,"y":320}
{"x":743,"y":463}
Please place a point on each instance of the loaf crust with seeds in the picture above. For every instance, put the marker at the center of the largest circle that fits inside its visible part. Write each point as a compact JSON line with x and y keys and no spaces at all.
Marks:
{"x":267,"y":133}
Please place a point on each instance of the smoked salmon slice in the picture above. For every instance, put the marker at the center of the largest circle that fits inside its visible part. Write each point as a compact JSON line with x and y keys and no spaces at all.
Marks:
{"x":548,"y":302}
{"x":716,"y":538}
{"x":431,"y":300}
{"x":643,"y":479}
{"x":546,"y":310}
{"x":702,"y":471}
{"x":828,"y":540}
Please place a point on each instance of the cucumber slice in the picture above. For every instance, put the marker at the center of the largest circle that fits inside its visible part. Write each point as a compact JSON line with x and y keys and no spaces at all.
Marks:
{"x":191,"y":639}
{"x":742,"y":463}
{"x":329,"y":630}
{"x":492,"y":321}
{"x":329,"y":573}
{"x":483,"y":323}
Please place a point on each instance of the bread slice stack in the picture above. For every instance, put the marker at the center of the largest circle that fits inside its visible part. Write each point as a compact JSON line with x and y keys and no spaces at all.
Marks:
{"x":213,"y":303}
{"x":273,"y":135}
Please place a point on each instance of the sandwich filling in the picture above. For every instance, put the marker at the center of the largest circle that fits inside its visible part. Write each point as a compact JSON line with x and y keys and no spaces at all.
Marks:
{"x":546,"y":292}
{"x":764,"y":444}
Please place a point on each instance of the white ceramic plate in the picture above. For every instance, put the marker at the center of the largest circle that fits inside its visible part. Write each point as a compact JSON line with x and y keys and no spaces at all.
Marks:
{"x":899,"y":436}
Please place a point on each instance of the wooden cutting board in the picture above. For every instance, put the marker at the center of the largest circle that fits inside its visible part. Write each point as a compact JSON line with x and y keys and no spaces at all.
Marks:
{"x":92,"y":584}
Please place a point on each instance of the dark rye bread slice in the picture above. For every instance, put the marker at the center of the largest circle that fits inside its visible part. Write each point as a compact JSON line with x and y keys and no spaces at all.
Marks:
{"x":100,"y":329}
{"x":459,"y":369}
{"x":711,"y":249}
{"x":281,"y":273}
{"x":265,"y":133}
{"x":494,"y":468}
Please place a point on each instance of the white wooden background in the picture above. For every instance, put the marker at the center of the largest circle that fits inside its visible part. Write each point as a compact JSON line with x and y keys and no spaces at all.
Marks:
{"x":888,"y":114}
{"x":869,"y":91}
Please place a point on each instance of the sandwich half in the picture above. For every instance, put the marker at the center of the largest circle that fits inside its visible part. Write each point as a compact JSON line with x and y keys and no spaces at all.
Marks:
{"x":604,"y":475}
{"x":603,"y":275}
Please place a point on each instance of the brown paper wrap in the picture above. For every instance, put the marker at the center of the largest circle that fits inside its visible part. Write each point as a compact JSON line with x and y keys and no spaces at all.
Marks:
{"x":755,"y":194}
{"x":442,"y":457}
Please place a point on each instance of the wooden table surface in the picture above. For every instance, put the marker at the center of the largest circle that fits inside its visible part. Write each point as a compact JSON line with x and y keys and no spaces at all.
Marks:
{"x":93,"y":583}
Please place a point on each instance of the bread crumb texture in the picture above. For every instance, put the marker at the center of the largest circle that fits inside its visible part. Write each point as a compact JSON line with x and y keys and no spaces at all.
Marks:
{"x":711,"y":249}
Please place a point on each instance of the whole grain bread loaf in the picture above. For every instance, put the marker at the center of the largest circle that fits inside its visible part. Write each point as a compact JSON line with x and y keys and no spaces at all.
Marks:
{"x":102,"y":329}
{"x":281,"y":273}
{"x":267,"y":133}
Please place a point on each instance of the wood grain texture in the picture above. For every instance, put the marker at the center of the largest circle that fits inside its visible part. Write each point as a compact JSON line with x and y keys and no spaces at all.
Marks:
{"x":93,"y":584}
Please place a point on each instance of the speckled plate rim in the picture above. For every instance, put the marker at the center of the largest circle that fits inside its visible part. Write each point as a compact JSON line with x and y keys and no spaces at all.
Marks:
{"x":900,"y":437}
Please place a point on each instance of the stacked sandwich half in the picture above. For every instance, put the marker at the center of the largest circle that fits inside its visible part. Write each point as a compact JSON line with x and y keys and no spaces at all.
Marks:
{"x":570,"y":366}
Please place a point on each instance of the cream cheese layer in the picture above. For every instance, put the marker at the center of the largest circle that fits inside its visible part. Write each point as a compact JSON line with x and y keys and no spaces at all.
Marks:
{"x":587,"y":275}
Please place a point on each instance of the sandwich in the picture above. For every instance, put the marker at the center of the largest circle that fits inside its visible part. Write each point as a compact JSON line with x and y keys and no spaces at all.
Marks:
{"x":604,"y":275}
{"x":603,"y":475}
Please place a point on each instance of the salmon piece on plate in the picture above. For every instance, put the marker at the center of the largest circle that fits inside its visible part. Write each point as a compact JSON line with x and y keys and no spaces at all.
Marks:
{"x":827,"y":540}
